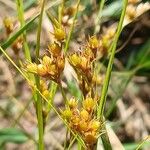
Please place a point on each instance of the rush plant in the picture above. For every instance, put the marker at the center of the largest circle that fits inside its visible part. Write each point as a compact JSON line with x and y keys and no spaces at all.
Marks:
{"x":85,"y":118}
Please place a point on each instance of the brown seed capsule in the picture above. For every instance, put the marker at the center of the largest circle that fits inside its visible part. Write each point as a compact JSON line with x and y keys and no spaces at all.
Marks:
{"x":84,"y":63}
{"x":61,"y":63}
{"x":90,"y":138}
{"x":52,"y":70}
{"x":84,"y":114}
{"x":41,"y":70}
{"x":55,"y":49}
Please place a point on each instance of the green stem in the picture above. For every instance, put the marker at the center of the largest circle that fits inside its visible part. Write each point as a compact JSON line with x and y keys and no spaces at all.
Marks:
{"x":20,"y":10}
{"x":72,"y":28}
{"x":63,"y":93}
{"x":60,"y":11}
{"x":105,"y":138}
{"x":110,"y":64}
{"x":97,"y":21}
{"x":39,"y":99}
{"x":39,"y":32}
{"x":53,"y":89}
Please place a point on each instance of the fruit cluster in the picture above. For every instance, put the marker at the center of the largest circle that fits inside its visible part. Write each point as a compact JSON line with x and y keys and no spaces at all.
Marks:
{"x":82,"y":120}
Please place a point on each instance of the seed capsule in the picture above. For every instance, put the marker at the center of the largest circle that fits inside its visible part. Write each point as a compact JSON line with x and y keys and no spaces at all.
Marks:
{"x":55,"y":49}
{"x":73,"y":103}
{"x":90,"y":138}
{"x":93,"y":42}
{"x":84,"y":63}
{"x":8,"y":23}
{"x":84,"y":115}
{"x":83,"y":126}
{"x":67,"y":114}
{"x":94,"y":125}
{"x":88,"y":104}
{"x":32,"y":67}
{"x":46,"y":60}
{"x":41,"y":70}
{"x":60,"y":63}
{"x":59,"y":34}
{"x":75,"y":60}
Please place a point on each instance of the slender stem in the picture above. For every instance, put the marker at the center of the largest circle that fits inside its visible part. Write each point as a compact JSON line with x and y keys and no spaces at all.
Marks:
{"x":63,"y":93}
{"x":71,"y":143}
{"x":20,"y":10}
{"x":141,"y":143}
{"x":39,"y":99}
{"x":39,"y":32}
{"x":72,"y":28}
{"x":60,"y":11}
{"x":105,"y":138}
{"x":110,"y":64}
{"x":53,"y":89}
{"x":97,"y":21}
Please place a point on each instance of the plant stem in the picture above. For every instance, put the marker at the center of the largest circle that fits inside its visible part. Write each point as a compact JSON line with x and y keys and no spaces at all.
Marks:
{"x":20,"y":10}
{"x":39,"y":32}
{"x":39,"y":99}
{"x":110,"y":64}
{"x":105,"y":138}
{"x":72,"y":27}
{"x":60,"y":11}
{"x":52,"y":89}
{"x":97,"y":21}
{"x":63,"y":93}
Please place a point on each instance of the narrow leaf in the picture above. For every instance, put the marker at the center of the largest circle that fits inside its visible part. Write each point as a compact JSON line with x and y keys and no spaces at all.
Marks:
{"x":12,"y":38}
